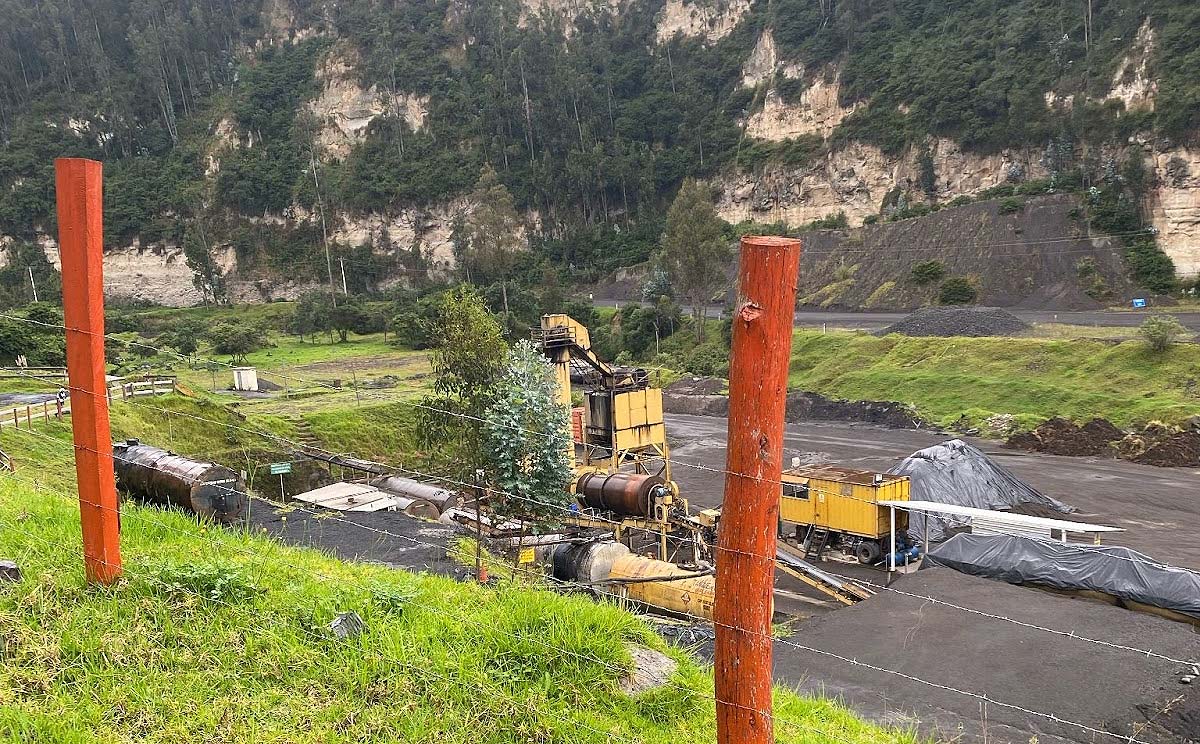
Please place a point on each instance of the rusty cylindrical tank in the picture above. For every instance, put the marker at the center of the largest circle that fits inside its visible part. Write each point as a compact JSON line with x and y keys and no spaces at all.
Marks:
{"x":157,"y":476}
{"x":628,"y":494}
{"x":441,"y":498}
{"x":586,"y":562}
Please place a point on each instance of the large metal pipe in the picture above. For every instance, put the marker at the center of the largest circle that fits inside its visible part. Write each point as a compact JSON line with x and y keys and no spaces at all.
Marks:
{"x":616,"y":572}
{"x":443,"y":499}
{"x":155,"y":475}
{"x":628,"y":494}
{"x":650,"y":582}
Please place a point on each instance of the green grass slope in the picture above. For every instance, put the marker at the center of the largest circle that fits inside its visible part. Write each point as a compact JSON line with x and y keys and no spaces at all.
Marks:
{"x":948,"y":378}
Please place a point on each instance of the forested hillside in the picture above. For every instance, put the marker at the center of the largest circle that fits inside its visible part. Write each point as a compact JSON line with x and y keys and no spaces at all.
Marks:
{"x":248,"y":133}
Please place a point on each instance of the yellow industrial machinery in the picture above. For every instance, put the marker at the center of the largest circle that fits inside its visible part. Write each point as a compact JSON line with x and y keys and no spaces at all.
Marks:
{"x":828,"y":506}
{"x":623,"y":415}
{"x":623,"y":465}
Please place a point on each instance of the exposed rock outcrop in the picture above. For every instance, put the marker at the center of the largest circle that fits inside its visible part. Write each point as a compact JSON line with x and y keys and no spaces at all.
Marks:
{"x":1174,"y":206}
{"x":1132,"y":84}
{"x":711,"y":20}
{"x":855,"y":180}
{"x":345,"y":109}
{"x":817,"y":111}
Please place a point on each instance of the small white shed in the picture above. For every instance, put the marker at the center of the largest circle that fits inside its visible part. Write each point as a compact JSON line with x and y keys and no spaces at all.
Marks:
{"x":245,"y":378}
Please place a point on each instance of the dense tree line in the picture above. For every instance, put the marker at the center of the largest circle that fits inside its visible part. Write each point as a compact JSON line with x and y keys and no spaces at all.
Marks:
{"x":592,"y":127}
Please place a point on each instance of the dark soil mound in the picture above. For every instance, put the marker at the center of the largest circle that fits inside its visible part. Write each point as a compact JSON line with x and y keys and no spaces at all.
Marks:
{"x":805,"y":406}
{"x":696,"y":386}
{"x":1176,"y":450}
{"x":958,"y":321}
{"x":1102,"y":429}
{"x":801,"y":406}
{"x":1057,"y":436}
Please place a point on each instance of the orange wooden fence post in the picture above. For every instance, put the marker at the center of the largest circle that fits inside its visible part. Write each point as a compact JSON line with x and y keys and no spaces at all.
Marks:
{"x":81,"y":248}
{"x":762,"y":344}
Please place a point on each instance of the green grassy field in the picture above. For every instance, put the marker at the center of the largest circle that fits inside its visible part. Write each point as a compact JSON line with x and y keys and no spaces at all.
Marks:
{"x":947,"y":379}
{"x":220,"y":635}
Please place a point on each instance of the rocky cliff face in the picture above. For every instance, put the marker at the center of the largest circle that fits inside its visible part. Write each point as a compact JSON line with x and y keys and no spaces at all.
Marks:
{"x":856,"y":179}
{"x":344,"y":109}
{"x":1174,"y":206}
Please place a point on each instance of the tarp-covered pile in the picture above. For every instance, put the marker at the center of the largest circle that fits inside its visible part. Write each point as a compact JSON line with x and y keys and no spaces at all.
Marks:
{"x":954,"y":472}
{"x":1116,"y":571}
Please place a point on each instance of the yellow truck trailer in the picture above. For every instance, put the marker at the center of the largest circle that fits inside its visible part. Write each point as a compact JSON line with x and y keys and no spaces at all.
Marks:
{"x":824,"y":506}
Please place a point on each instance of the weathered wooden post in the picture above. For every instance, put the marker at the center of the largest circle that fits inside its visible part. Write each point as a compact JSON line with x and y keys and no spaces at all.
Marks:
{"x":761,"y":351}
{"x":81,"y":247}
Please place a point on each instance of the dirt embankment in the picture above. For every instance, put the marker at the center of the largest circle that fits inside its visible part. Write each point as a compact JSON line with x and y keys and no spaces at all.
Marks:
{"x":704,"y":396}
{"x":1037,"y":257}
{"x":1156,"y":444}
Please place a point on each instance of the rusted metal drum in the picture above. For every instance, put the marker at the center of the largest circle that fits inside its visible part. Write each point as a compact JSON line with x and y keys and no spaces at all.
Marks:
{"x":586,"y":562}
{"x":418,"y":508}
{"x":160,"y":477}
{"x":441,"y":498}
{"x":628,"y":494}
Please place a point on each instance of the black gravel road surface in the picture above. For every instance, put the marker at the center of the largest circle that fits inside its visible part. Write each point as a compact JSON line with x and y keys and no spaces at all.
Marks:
{"x":1105,"y":689}
{"x":391,"y":538}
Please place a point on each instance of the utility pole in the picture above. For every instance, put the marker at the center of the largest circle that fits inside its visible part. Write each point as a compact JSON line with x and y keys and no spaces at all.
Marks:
{"x":342,"y":263}
{"x":32,"y":283}
{"x":761,"y":350}
{"x":79,"y":185}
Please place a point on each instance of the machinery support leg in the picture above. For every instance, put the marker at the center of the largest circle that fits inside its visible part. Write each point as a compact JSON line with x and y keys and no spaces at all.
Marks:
{"x":891,"y":561}
{"x":745,"y":556}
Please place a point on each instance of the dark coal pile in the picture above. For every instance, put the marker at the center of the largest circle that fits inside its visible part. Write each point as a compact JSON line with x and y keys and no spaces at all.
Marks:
{"x":958,"y":321}
{"x":697,"y":396}
{"x":704,"y":396}
{"x":1058,"y":436}
{"x":805,"y":406}
{"x":955,"y":472}
{"x":696,"y":386}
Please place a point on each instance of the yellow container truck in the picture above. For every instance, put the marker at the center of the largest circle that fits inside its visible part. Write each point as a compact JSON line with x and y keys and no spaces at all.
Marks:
{"x":824,"y":506}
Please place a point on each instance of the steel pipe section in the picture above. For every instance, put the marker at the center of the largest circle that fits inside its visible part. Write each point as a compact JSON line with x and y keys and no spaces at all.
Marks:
{"x":628,"y":494}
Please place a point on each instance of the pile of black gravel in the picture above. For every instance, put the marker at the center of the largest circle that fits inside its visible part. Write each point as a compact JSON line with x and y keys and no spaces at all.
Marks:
{"x":958,"y":321}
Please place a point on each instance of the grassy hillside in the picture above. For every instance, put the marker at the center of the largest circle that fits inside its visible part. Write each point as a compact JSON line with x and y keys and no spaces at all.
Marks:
{"x":948,"y":378}
{"x":221,"y":636}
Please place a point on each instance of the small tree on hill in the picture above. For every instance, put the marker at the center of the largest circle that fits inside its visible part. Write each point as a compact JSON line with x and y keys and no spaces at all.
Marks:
{"x":493,"y":230}
{"x":236,"y":340}
{"x":350,"y":315}
{"x":526,"y":437}
{"x":957,"y":291}
{"x":185,"y":339}
{"x":928,"y":272}
{"x":695,"y":250}
{"x":1161,"y":331}
{"x":468,"y":358}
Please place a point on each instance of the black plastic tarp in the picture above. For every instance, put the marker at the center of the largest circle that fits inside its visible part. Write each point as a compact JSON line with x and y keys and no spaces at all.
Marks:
{"x":955,"y":472}
{"x":1112,"y":570}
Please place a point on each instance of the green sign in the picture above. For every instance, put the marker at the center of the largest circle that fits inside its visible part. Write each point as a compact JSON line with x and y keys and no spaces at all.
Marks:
{"x":281,"y":468}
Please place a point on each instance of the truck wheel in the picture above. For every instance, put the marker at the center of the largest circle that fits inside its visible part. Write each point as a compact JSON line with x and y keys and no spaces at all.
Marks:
{"x":867,"y":552}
